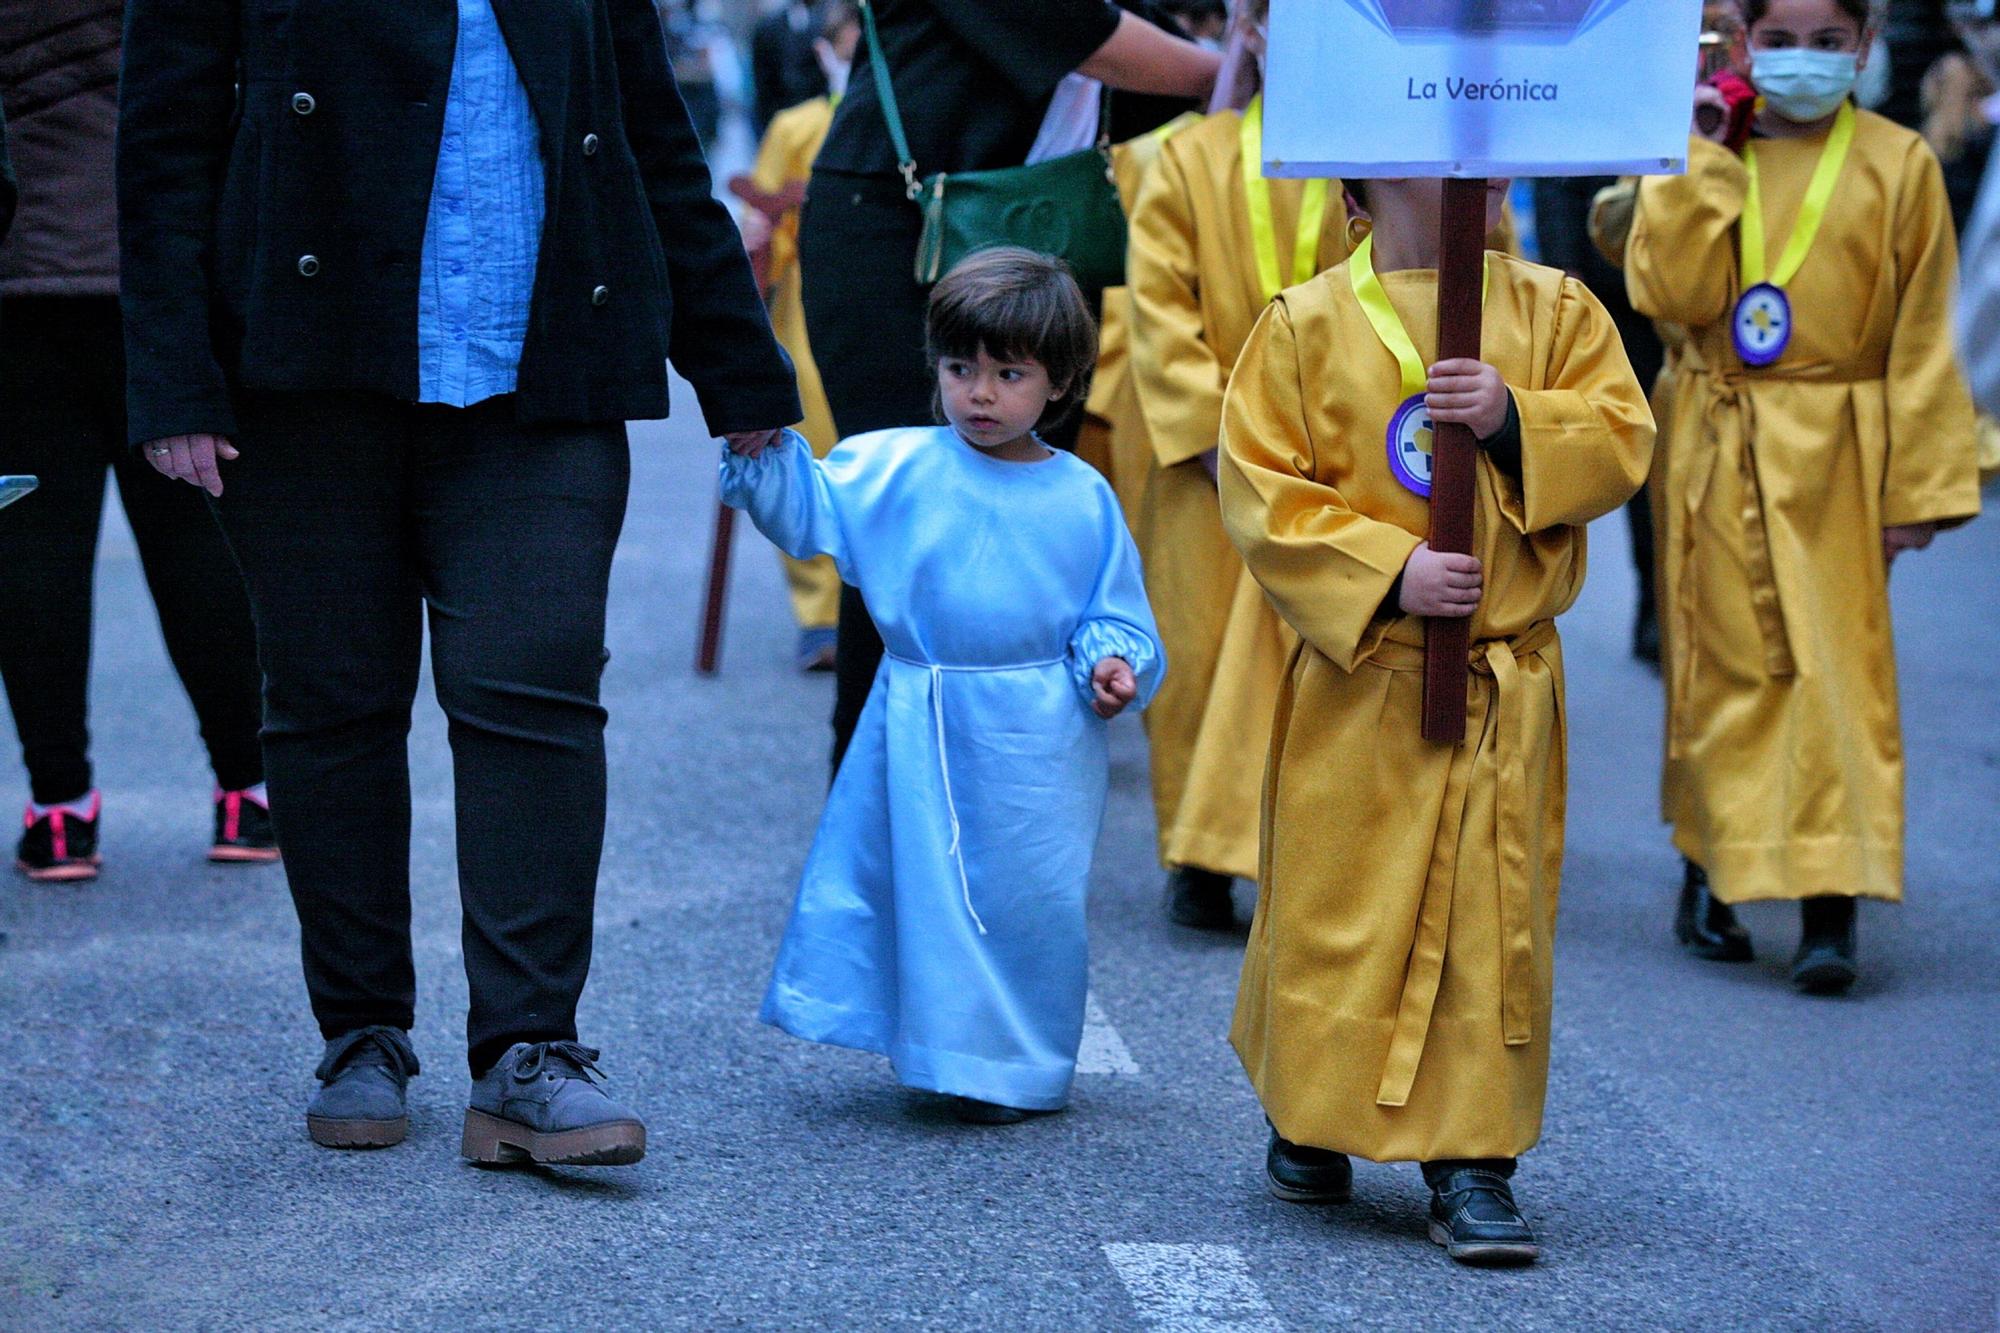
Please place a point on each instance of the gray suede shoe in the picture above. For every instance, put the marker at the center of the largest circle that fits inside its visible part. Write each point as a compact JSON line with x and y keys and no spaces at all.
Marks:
{"x":362,"y":1078}
{"x":542,"y":1103}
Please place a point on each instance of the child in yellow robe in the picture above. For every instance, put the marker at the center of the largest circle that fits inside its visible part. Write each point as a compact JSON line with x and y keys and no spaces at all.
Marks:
{"x":1201,"y":271}
{"x":1796,"y":483}
{"x":1395,"y":995}
{"x":784,"y":159}
{"x":1113,"y":438}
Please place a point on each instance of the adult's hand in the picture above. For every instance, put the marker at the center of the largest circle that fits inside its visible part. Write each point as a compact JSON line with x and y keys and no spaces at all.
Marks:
{"x":1241,"y":76}
{"x":1140,"y":58}
{"x":192,"y":459}
{"x":750,"y":443}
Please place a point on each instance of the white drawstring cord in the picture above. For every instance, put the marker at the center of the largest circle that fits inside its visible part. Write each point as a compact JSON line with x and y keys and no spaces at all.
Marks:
{"x":950,"y":805}
{"x":936,"y":672}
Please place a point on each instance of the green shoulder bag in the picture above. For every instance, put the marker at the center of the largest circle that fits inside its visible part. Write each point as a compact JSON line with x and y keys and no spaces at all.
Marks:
{"x":1067,"y":206}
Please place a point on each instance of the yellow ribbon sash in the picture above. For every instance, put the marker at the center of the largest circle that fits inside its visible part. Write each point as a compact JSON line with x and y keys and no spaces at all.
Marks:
{"x":1257,"y":195}
{"x":1382,"y":316}
{"x":1819,"y":193}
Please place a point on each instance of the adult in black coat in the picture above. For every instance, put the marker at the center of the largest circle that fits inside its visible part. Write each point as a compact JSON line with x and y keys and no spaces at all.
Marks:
{"x":8,"y":194}
{"x":276,"y":163}
{"x":784,"y":70}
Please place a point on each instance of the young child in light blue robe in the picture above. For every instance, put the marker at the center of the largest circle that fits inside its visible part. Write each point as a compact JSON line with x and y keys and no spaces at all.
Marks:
{"x":940,"y":917}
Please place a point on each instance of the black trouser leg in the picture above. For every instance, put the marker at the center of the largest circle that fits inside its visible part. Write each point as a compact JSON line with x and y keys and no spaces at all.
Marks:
{"x":1639,"y":518}
{"x":204,"y":615}
{"x":56,"y":407}
{"x":317,"y":511}
{"x":62,"y":399}
{"x":516,"y":527}
{"x":864,"y":314}
{"x":857,"y":656}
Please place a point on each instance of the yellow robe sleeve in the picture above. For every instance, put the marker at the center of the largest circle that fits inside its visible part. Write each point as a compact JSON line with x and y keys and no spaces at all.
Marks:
{"x":1180,"y":377}
{"x":1586,"y":439}
{"x":1325,"y":567}
{"x":1611,"y":210}
{"x":1932,"y":475}
{"x":1680,"y":262}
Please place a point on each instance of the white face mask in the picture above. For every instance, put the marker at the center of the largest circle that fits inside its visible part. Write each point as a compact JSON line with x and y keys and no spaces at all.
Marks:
{"x":1801,"y":85}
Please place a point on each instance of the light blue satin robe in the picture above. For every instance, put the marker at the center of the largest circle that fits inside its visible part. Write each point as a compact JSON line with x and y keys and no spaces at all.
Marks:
{"x":940,"y":918}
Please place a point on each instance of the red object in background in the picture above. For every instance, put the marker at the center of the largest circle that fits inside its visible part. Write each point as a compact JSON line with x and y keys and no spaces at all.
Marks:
{"x":1742,"y":105}
{"x":775,"y":208}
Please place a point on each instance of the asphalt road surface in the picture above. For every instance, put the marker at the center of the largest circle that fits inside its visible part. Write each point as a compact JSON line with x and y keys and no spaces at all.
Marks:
{"x":1720,"y":1152}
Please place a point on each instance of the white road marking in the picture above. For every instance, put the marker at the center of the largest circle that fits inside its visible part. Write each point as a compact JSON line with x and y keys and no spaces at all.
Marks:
{"x":1192,"y":1288}
{"x":1103,"y":1050}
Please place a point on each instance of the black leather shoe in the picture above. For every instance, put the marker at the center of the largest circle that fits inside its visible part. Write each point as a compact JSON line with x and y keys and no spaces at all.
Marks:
{"x":1825,"y":963}
{"x":1473,"y":1216}
{"x":1307,"y":1175}
{"x":1199,"y":899}
{"x":1707,"y":928}
{"x":972,"y":1111}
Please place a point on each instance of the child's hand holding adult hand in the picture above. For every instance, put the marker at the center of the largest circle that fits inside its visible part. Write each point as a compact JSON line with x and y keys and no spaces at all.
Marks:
{"x":1470,"y":393}
{"x":1112,"y":686}
{"x":1905,"y":537}
{"x":1436,"y":584}
{"x":750,"y":443}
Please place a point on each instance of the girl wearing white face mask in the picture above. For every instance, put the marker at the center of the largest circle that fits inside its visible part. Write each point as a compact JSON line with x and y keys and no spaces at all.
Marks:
{"x":1822,"y":430}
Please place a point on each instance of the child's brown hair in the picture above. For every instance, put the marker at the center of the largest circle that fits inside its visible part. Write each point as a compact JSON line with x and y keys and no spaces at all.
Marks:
{"x":1015,"y":305}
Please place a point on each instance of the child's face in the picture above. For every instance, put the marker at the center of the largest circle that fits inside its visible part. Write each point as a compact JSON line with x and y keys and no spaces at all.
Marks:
{"x":1816,"y":25}
{"x":1424,"y":196}
{"x":992,"y":403}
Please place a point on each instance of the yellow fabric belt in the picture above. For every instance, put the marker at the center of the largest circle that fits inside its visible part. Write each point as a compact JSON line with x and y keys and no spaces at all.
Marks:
{"x":1728,"y":438}
{"x":1497,"y":659}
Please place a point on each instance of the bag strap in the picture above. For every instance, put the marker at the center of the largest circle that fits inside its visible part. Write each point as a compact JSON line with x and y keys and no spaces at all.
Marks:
{"x":885,"y":93}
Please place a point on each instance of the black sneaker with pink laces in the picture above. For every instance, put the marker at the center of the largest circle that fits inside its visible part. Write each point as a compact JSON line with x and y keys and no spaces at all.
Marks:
{"x":243,"y":831}
{"x":59,"y":843}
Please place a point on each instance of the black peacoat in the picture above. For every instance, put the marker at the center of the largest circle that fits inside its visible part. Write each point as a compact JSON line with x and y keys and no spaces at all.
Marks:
{"x":8,"y":194}
{"x":275,"y":160}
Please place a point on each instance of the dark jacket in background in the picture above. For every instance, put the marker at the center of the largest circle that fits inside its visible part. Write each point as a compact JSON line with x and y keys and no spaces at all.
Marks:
{"x":59,"y":87}
{"x":7,"y":192}
{"x":784,"y":70}
{"x":275,"y":160}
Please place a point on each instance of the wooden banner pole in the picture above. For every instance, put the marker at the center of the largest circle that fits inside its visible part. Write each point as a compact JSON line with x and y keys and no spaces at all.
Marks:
{"x":1461,"y":283}
{"x":710,"y":651}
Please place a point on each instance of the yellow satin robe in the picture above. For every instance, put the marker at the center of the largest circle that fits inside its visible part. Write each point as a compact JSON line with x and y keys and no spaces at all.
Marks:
{"x":1114,"y":438}
{"x":1784,"y":748}
{"x":790,"y":144}
{"x":1195,"y":296}
{"x":1396,"y":990}
{"x":1611,"y":215}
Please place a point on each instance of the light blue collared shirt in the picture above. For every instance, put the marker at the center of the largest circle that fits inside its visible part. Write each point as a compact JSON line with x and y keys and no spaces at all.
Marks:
{"x":484,"y":229}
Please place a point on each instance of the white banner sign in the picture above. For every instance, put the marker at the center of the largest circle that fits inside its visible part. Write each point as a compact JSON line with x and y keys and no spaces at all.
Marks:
{"x":1479,"y":87}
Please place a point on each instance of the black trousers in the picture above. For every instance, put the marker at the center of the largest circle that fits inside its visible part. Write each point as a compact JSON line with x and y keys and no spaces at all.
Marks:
{"x":355,"y":518}
{"x":62,"y":418}
{"x":865,"y":314}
